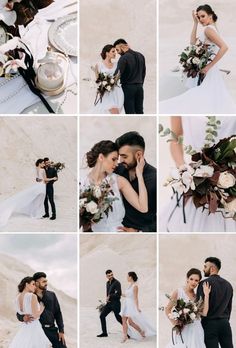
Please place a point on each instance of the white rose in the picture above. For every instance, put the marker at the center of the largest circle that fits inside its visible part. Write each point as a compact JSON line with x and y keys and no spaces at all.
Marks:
{"x":192,"y":316}
{"x":97,"y":192}
{"x":196,"y":60}
{"x":204,"y":172}
{"x":108,"y":88}
{"x":186,"y":310}
{"x":231,"y":206}
{"x":92,"y":207}
{"x":226,"y":180}
{"x":112,"y":81}
{"x":104,"y":83}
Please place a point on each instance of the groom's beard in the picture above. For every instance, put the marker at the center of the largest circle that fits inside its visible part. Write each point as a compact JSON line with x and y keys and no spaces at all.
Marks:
{"x":131,"y":165}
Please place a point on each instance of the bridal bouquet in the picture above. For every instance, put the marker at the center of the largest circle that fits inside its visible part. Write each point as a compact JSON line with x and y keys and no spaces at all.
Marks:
{"x":194,"y":58}
{"x":105,"y":83}
{"x":184,"y":313}
{"x":58,"y":166}
{"x":100,"y":306}
{"x":94,"y":202}
{"x":210,"y":179}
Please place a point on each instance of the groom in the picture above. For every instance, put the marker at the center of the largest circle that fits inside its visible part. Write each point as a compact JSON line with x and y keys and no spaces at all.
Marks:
{"x":113,"y":292}
{"x":51,"y":314}
{"x":50,"y":173}
{"x":132,"y":69}
{"x":131,"y":147}
{"x":216,"y":324}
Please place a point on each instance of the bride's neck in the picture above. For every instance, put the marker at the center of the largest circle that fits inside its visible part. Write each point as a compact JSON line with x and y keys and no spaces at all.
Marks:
{"x":108,"y":61}
{"x":97,"y":174}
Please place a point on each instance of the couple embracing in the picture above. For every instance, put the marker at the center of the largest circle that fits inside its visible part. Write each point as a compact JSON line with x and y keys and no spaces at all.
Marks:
{"x":216,"y":295}
{"x":133,"y":184}
{"x":130,"y":70}
{"x":134,"y":323}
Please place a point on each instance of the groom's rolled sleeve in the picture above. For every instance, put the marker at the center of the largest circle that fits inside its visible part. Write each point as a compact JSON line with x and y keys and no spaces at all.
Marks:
{"x":58,"y":315}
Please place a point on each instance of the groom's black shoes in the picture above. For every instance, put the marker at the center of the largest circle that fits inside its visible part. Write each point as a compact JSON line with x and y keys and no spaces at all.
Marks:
{"x":102,"y":335}
{"x":53,"y":217}
{"x":45,"y":216}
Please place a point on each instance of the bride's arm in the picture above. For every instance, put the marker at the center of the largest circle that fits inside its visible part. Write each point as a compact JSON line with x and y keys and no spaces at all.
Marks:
{"x":36,"y":312}
{"x":206,"y":291}
{"x":213,"y":36}
{"x":136,"y":297}
{"x":176,"y":149}
{"x":193,"y":37}
{"x":169,"y":306}
{"x":138,"y":201}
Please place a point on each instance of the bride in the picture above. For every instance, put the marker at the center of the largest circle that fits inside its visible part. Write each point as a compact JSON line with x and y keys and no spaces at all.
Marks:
{"x":211,"y":97}
{"x":31,"y":334}
{"x":171,"y":217}
{"x":133,"y":320}
{"x":103,"y":159}
{"x":192,"y":334}
{"x":112,"y":102}
{"x":28,"y":202}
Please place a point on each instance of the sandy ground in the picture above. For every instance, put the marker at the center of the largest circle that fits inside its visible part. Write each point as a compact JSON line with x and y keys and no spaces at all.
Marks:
{"x":121,"y":253}
{"x":11,"y":272}
{"x":111,"y":128}
{"x":25,"y":139}
{"x":177,"y":254}
{"x":102,"y":24}
{"x":174,"y":33}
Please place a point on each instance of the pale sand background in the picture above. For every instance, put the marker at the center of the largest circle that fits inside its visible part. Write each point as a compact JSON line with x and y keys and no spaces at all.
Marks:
{"x":25,"y":139}
{"x":175,"y":19}
{"x":102,"y":23}
{"x":178,"y":254}
{"x":110,"y":128}
{"x":23,"y":255}
{"x":121,"y":254}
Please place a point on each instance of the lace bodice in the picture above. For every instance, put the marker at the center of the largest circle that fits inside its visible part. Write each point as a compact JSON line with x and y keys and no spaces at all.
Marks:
{"x":110,"y":71}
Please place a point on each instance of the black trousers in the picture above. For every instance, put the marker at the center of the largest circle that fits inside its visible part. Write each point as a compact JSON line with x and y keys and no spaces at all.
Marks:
{"x":217,"y":331}
{"x":133,"y":95}
{"x":108,"y":309}
{"x":49,"y":197}
{"x":52,"y":335}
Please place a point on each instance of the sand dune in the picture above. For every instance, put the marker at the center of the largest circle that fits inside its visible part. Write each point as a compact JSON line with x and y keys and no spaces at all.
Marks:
{"x":12,"y":271}
{"x":178,"y":254}
{"x":102,"y":24}
{"x":121,"y":253}
{"x":25,"y":139}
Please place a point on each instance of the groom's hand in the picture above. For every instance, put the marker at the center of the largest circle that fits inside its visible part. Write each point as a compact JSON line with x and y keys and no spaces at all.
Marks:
{"x":62,"y":338}
{"x":126,"y":229}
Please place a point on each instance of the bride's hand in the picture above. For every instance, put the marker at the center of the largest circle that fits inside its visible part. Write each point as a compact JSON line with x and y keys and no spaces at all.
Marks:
{"x":206,"y":288}
{"x":195,"y":17}
{"x":206,"y":69}
{"x":140,"y":165}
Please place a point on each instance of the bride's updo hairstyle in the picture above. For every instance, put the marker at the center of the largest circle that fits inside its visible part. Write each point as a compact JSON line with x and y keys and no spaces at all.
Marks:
{"x":106,"y":49}
{"x":208,"y":10}
{"x":26,"y":280}
{"x":104,"y":147}
{"x":133,"y":275}
{"x":40,"y":160}
{"x":194,"y":271}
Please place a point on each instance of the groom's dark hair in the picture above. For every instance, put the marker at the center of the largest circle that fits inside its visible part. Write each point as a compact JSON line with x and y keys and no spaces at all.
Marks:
{"x":132,"y":139}
{"x":39,"y":275}
{"x":215,"y":261}
{"x":46,"y":159}
{"x":120,"y":41}
{"x":108,"y":271}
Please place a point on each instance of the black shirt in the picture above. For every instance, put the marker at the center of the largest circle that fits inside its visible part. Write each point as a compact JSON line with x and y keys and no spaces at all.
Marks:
{"x":145,"y":222}
{"x":132,"y":68}
{"x":51,"y":173}
{"x":113,"y":290}
{"x":220,"y":298}
{"x":51,"y":313}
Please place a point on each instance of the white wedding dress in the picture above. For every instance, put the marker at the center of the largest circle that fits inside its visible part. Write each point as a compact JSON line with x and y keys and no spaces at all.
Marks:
{"x":115,"y":217}
{"x":129,"y":309}
{"x":30,"y":335}
{"x":192,"y":334}
{"x":211,"y":97}
{"x":28,"y":202}
{"x":112,"y":99}
{"x":171,"y":217}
